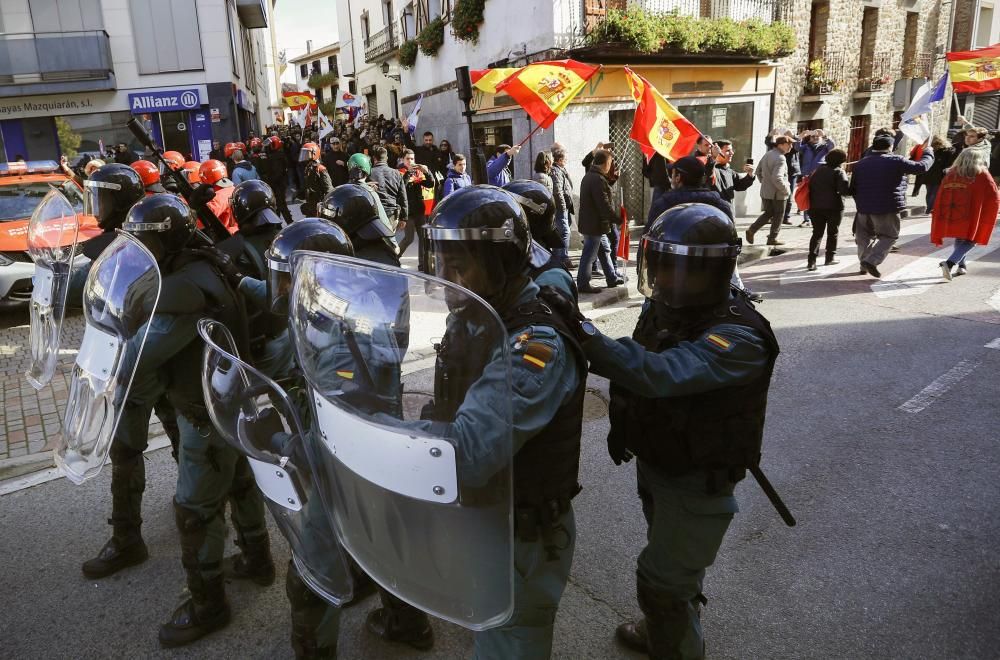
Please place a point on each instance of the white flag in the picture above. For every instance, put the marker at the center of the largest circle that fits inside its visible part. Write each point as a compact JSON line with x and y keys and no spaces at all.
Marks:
{"x":913,"y":124}
{"x":347,"y":100}
{"x":411,"y":121}
{"x":361,"y":113}
{"x":323,"y":124}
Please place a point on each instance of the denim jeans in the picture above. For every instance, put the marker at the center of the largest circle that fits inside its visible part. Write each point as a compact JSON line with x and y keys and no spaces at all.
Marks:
{"x":595,"y":247}
{"x":962,"y":248}
{"x":932,"y":190}
{"x":562,"y":229}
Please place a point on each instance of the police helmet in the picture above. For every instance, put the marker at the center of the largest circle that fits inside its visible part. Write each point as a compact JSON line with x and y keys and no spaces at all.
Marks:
{"x":273,"y":143}
{"x":355,"y":208}
{"x":687,"y":256}
{"x":109,"y":192}
{"x":478,"y":237}
{"x":540,"y":208}
{"x":314,"y":234}
{"x":164,"y":223}
{"x":250,"y":203}
{"x":359,"y":166}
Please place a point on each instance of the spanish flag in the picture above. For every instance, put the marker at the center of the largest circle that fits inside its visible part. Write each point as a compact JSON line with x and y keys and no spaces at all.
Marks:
{"x":658,"y":127}
{"x":486,"y":80}
{"x":297,"y":100}
{"x":975,"y":71}
{"x":544,"y":89}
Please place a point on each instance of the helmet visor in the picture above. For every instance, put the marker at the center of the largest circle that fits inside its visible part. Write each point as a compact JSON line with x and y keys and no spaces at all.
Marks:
{"x":98,"y":198}
{"x":279,"y":286}
{"x":305,"y":155}
{"x":685,"y":275}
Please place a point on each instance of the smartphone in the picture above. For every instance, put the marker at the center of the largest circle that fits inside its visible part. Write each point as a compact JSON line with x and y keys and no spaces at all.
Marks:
{"x":749,"y":161}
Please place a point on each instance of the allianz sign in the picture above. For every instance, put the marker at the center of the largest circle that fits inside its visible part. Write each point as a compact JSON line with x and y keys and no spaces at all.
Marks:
{"x":181,"y":99}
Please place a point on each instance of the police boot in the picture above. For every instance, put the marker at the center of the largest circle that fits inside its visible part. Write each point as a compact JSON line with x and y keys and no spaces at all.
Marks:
{"x":668,"y":621}
{"x":254,"y":561}
{"x":308,"y":612}
{"x":400,"y":622}
{"x":206,"y":611}
{"x":126,"y":547}
{"x":633,"y":635}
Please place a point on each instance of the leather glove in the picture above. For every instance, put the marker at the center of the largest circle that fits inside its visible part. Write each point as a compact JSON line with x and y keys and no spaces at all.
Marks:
{"x":566,"y":308}
{"x":222,"y":261}
{"x":618,"y":413}
{"x":201,"y":196}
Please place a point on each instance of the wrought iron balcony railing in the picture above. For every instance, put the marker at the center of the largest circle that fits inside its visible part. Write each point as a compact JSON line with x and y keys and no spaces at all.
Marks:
{"x":37,"y":57}
{"x":877,"y":71}
{"x":920,"y":66}
{"x":829,"y":72}
{"x":768,"y":11}
{"x":383,"y":43}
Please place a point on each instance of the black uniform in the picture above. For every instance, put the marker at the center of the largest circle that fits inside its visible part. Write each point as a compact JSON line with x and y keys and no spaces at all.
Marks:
{"x":317,"y":186}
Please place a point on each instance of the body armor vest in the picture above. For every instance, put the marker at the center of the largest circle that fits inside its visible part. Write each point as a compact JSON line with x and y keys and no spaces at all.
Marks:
{"x":546,"y":468}
{"x":716,"y":431}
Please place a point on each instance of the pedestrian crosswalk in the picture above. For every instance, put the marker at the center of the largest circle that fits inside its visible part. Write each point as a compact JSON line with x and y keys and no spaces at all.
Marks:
{"x":919,"y":276}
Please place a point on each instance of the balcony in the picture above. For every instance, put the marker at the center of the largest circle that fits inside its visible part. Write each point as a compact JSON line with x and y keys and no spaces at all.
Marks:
{"x":920,"y":65}
{"x":877,"y":71}
{"x":828,"y":73}
{"x":55,"y":62}
{"x":252,"y":13}
{"x":767,"y":11}
{"x":382,"y":44}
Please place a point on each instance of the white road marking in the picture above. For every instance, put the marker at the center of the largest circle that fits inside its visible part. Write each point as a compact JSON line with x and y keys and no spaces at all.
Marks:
{"x":919,"y":276}
{"x":939,"y":387}
{"x":993,"y":344}
{"x":848,"y":254}
{"x":994,"y":300}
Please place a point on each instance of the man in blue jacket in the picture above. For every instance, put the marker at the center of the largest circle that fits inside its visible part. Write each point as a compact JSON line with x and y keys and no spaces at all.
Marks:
{"x":243,"y":170}
{"x":498,"y":167}
{"x":878,"y":185}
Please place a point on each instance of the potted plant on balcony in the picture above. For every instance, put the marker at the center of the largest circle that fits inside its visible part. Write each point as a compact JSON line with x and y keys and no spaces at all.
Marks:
{"x":408,"y":54}
{"x":466,"y":18}
{"x":817,"y":80}
{"x":431,"y":37}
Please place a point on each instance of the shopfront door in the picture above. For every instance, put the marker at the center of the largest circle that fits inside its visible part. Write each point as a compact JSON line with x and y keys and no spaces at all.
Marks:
{"x":176,"y":131}
{"x":40,"y":138}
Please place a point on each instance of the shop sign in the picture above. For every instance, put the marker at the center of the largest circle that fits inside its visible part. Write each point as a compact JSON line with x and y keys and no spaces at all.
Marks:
{"x":164,"y":101}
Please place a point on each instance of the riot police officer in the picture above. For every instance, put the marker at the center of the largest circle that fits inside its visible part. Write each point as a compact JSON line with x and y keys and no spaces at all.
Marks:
{"x":480,"y":238}
{"x":688,"y":399}
{"x":254,"y":209}
{"x":274,"y":170}
{"x":540,"y":208}
{"x":209,"y":470}
{"x":358,"y":211}
{"x":317,"y":181}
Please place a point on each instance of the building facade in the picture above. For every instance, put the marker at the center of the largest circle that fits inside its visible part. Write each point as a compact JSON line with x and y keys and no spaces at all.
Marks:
{"x":72,"y":72}
{"x":319,"y":71}
{"x":371,"y":32}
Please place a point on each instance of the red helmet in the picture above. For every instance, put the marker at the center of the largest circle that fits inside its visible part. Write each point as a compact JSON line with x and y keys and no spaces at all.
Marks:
{"x":212,"y":171}
{"x":148,"y":172}
{"x":273,"y":143}
{"x":230,"y":148}
{"x":310,"y":151}
{"x":192,"y":168}
{"x":174,"y":159}
{"x":255,"y":144}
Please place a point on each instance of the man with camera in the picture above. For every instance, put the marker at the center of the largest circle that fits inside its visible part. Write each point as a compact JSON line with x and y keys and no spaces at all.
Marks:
{"x":416,"y":177}
{"x":728,"y":181}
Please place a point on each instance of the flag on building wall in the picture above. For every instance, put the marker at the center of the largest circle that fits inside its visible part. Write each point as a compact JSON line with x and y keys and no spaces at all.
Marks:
{"x":658,"y":127}
{"x":975,"y":71}
{"x":544,"y":89}
{"x":297,"y":100}
{"x":486,"y":80}
{"x":347,"y":100}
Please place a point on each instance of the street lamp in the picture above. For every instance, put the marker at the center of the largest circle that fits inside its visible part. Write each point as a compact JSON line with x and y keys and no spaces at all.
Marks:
{"x":385,"y":72}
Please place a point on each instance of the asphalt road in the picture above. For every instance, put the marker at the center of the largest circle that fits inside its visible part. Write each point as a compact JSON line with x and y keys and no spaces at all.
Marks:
{"x":894,"y":555}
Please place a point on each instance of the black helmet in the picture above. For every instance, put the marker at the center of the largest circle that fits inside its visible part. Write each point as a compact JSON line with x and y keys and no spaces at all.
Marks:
{"x":687,"y":256}
{"x":480,"y":226}
{"x":540,"y":207}
{"x":109,"y":192}
{"x":248,"y":200}
{"x":163,"y":222}
{"x":355,"y":209}
{"x":312,"y":234}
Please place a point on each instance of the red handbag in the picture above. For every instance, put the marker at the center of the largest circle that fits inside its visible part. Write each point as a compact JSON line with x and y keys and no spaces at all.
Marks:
{"x":801,"y":194}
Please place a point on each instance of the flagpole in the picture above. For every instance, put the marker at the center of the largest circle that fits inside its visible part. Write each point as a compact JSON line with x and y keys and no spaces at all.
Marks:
{"x":533,"y":131}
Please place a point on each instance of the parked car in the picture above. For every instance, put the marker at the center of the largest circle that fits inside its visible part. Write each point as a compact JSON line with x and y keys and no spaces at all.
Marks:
{"x":22,"y":188}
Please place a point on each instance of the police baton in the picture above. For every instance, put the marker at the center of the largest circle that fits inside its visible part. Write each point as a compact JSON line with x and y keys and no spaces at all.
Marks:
{"x":772,"y":495}
{"x":213,"y":225}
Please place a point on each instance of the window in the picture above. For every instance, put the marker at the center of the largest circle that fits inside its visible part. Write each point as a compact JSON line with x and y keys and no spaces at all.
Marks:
{"x":66,"y":15}
{"x":303,"y":71}
{"x":910,"y":44}
{"x":167,"y":37}
{"x":984,"y":26}
{"x":408,"y":25}
{"x":734,"y":121}
{"x":232,"y":40}
{"x":394,"y":102}
{"x":319,"y":96}
{"x":386,"y":12}
{"x":365,"y":27}
{"x":858,"y":140}
{"x":490,"y":134}
{"x":809,"y":125}
{"x":331,"y":64}
{"x":818,"y":28}
{"x":315,"y":68}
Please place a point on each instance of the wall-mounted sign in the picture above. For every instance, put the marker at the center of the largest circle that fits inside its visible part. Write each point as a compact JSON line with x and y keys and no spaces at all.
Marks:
{"x":155,"y":100}
{"x":181,"y":126}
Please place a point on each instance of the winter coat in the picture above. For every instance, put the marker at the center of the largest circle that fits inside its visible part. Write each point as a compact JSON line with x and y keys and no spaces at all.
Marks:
{"x":416,"y":181}
{"x":677,"y":196}
{"x":455,"y":181}
{"x":543,"y":178}
{"x":773,"y":176}
{"x":827,"y":187}
{"x":338,"y":173}
{"x":728,"y":182}
{"x":878,"y":182}
{"x":811,"y":155}
{"x":965,"y":208}
{"x":562,"y":189}
{"x":597,"y":213}
{"x":497,"y":170}
{"x":391,"y":189}
{"x":943,"y":158}
{"x":244,"y":171}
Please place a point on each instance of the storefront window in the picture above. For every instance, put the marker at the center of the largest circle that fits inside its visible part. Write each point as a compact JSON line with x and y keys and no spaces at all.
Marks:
{"x":91,"y":129}
{"x":732,"y":121}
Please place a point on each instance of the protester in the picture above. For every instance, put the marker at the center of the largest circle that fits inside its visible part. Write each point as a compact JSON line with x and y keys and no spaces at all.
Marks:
{"x":813,"y":147}
{"x":335,"y":160}
{"x":562,"y":192}
{"x":878,"y":184}
{"x":774,"y":189}
{"x":390,"y":186}
{"x":727,"y":182}
{"x":243,"y":170}
{"x":543,"y":169}
{"x":976,"y":138}
{"x":124,"y":155}
{"x":447,"y":151}
{"x":456,"y":179}
{"x":597,"y":217}
{"x":827,"y":186}
{"x":944,"y":156}
{"x":498,"y":167}
{"x":688,"y":186}
{"x":417,"y":177}
{"x":792,"y":167}
{"x":655,"y":171}
{"x":965,"y":209}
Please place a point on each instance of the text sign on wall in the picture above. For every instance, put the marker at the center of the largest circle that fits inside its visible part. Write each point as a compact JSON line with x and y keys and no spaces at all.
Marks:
{"x":163,"y":101}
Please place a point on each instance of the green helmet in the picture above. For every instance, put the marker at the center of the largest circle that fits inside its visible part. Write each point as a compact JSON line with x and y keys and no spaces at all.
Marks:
{"x":359,"y":162}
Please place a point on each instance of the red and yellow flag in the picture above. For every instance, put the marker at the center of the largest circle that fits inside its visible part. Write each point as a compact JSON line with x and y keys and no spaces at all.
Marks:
{"x":975,"y":70}
{"x":544,"y":89}
{"x":658,"y":127}
{"x":486,"y":80}
{"x":297,"y":100}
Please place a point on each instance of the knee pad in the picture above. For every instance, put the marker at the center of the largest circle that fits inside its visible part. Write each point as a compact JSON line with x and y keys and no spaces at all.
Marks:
{"x":300,"y":596}
{"x":193,"y":530}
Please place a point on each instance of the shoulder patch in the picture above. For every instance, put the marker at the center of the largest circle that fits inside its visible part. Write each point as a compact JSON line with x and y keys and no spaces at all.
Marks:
{"x":719,"y":342}
{"x":534,"y":346}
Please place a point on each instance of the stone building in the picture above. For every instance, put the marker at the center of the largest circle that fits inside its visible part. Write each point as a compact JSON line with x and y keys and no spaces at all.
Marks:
{"x":859,"y":62}
{"x":319,"y":71}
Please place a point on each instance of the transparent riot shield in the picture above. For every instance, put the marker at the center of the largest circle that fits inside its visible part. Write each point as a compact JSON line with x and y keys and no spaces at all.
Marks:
{"x":52,"y":236}
{"x":256,"y":417}
{"x":411,"y":444}
{"x":119,"y":300}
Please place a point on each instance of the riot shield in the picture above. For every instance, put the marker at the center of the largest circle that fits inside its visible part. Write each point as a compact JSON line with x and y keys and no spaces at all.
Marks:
{"x":398,"y":365}
{"x":119,"y":300}
{"x":258,"y":419}
{"x":52,"y":236}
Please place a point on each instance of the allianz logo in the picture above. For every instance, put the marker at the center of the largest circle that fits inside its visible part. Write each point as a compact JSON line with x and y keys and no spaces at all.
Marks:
{"x":185,"y":99}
